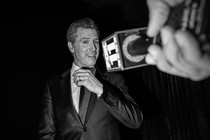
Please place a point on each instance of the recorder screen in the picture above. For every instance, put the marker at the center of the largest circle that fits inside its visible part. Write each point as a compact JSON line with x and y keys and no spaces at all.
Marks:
{"x":111,"y":53}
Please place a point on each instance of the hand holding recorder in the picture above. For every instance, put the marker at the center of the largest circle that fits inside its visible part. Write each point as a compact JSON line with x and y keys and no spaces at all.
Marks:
{"x":181,"y":52}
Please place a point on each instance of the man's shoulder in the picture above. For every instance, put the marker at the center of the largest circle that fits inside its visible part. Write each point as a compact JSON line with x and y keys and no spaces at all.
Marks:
{"x":107,"y":74}
{"x":113,"y":75}
{"x":58,"y":77}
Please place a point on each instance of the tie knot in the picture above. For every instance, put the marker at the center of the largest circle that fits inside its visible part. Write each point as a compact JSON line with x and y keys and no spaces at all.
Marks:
{"x":87,"y":68}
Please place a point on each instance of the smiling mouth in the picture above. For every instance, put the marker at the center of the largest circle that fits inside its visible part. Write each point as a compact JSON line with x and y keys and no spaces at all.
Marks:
{"x":92,"y":56}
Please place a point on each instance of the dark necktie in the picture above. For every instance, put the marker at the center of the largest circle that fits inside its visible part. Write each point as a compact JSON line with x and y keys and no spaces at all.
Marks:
{"x":84,"y":101}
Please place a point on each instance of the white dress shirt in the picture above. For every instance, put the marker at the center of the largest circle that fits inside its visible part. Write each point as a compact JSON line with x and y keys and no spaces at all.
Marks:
{"x":75,"y":89}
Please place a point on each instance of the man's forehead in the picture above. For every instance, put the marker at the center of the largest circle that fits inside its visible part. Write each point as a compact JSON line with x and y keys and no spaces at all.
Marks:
{"x":87,"y":33}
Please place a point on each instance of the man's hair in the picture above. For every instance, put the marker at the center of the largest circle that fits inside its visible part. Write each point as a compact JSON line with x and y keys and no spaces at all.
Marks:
{"x":86,"y":23}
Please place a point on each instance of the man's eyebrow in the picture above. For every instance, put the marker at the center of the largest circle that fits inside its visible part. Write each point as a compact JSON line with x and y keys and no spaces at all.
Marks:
{"x":89,"y":38}
{"x":84,"y":38}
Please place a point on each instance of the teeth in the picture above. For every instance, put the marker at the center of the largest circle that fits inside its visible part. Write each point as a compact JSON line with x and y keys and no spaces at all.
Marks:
{"x":91,"y":55}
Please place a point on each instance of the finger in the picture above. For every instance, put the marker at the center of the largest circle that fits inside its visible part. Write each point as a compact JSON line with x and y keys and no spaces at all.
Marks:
{"x":149,"y":59}
{"x":172,"y":3}
{"x":76,"y":79}
{"x":156,"y":56}
{"x":82,"y":78}
{"x":80,"y":83}
{"x":193,"y":55}
{"x":153,"y":52}
{"x":200,"y":76}
{"x":165,"y":66}
{"x":79,"y":71}
{"x":82,"y":74}
{"x":158,"y":15}
{"x":173,"y":52}
{"x":191,"y":50}
{"x":206,"y":58}
{"x":189,"y":45}
{"x":84,"y":81}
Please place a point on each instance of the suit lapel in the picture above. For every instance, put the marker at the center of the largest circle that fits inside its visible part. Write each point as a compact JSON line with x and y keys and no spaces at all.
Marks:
{"x":66,"y":93}
{"x":91,"y":105}
{"x":87,"y":107}
{"x":92,"y":101}
{"x":83,"y":103}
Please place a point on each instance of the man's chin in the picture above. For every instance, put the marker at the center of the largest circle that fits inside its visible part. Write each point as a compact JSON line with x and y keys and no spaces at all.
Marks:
{"x":91,"y":59}
{"x":91,"y":63}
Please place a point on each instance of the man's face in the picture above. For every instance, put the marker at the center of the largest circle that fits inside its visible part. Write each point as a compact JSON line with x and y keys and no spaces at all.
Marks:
{"x":85,"y":48}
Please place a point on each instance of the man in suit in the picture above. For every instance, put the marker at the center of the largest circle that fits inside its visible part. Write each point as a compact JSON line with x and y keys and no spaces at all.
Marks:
{"x":85,"y":103}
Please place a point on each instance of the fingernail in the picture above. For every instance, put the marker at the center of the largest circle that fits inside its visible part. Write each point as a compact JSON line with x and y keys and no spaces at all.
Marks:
{"x":149,"y":59}
{"x":166,"y":34}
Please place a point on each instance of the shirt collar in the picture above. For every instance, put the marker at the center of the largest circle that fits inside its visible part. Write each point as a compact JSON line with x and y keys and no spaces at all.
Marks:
{"x":74,"y":68}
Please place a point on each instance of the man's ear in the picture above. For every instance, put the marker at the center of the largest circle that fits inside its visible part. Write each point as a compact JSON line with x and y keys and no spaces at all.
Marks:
{"x":70,"y":46}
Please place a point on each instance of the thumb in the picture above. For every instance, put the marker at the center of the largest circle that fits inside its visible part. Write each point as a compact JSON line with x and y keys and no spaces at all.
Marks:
{"x":158,"y":15}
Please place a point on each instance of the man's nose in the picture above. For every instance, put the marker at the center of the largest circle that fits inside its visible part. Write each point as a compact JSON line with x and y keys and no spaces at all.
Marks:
{"x":93,"y":46}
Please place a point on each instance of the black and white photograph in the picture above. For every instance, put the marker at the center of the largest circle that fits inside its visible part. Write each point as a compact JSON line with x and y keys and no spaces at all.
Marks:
{"x":105,"y":70}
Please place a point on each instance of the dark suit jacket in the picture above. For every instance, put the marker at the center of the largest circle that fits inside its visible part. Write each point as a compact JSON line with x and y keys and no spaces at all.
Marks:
{"x":60,"y":121}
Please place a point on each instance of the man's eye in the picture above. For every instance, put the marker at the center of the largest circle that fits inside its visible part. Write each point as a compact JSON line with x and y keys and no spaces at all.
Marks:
{"x":96,"y":42}
{"x":85,"y":42}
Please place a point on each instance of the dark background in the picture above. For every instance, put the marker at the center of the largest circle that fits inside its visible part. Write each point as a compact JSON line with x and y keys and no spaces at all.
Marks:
{"x":33,"y":49}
